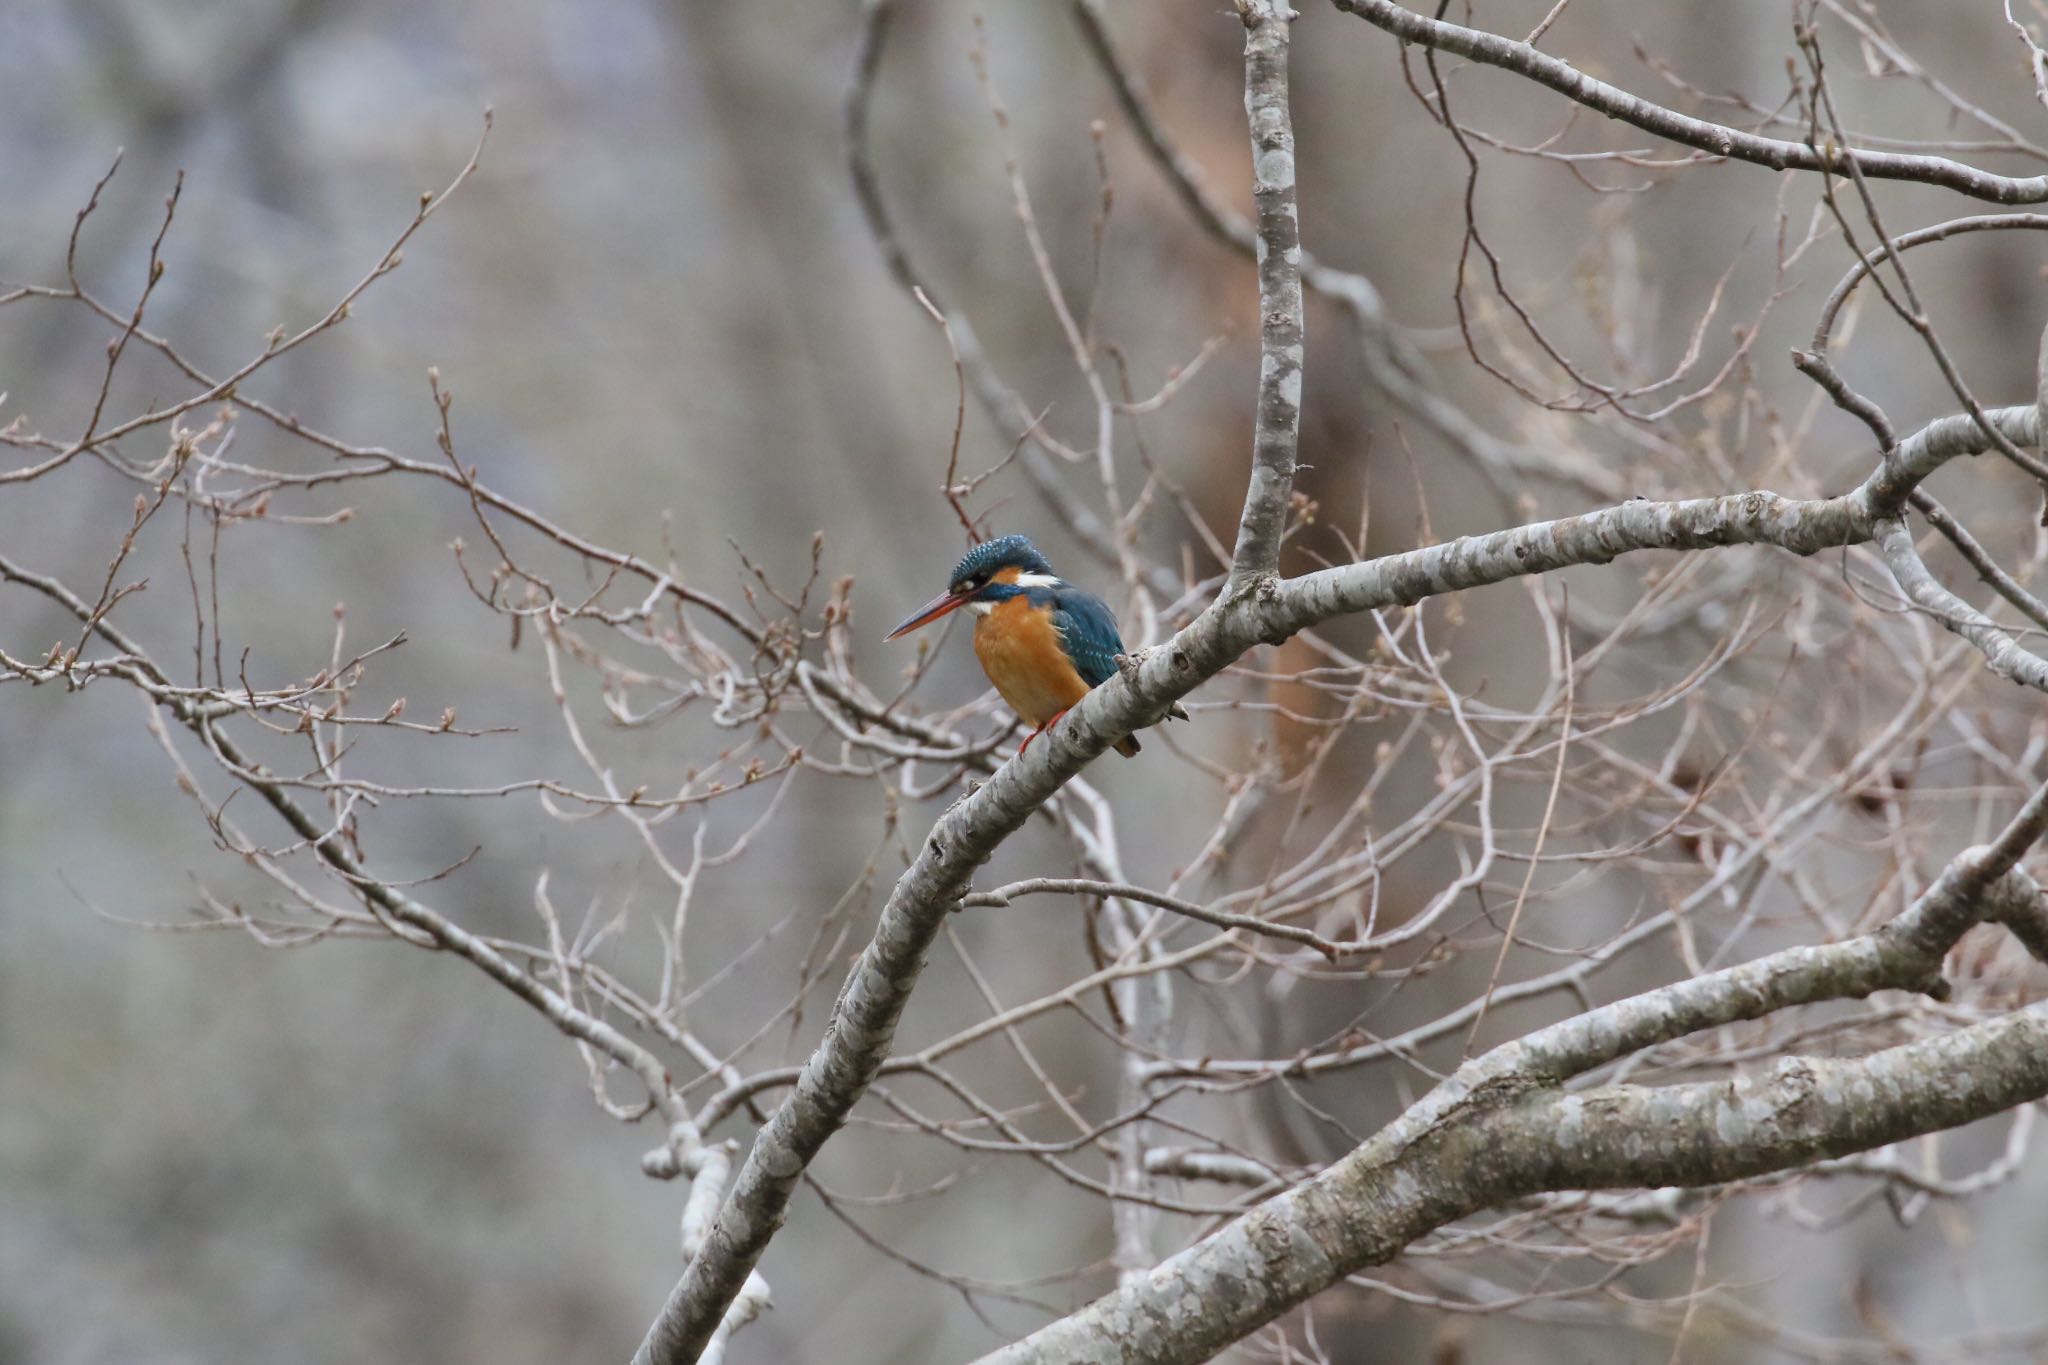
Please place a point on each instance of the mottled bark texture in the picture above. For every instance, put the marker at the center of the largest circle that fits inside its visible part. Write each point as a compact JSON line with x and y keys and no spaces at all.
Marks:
{"x":1276,"y":436}
{"x":864,"y":1020}
{"x":1450,"y":1154}
{"x":870,"y":1004}
{"x":1504,"y":1126}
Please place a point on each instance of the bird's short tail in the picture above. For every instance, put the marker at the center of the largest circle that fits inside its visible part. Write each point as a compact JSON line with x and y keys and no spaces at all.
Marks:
{"x":1129,"y":747}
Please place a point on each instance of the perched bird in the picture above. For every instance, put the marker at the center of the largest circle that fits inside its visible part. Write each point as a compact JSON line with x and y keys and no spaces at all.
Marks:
{"x":1042,"y":641}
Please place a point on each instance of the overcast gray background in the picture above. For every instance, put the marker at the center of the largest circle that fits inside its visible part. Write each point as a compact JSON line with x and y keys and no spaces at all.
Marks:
{"x":656,"y":293}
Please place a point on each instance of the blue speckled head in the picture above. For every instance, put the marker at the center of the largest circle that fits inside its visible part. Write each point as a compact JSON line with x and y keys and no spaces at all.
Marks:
{"x":1004,"y":552}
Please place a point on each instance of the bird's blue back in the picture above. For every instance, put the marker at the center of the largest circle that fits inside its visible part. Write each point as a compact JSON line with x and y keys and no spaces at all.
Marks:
{"x":1087,"y":629}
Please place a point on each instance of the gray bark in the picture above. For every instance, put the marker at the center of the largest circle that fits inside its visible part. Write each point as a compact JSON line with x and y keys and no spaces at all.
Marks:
{"x":1504,"y":1126}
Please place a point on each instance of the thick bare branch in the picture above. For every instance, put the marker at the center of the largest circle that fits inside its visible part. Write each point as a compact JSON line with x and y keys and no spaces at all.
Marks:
{"x":1503,"y":1127}
{"x":865,"y":1018}
{"x":1393,"y":363}
{"x":1621,"y":792}
{"x":1276,"y":435}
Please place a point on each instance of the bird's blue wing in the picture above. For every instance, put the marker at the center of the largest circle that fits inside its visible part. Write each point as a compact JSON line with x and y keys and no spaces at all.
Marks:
{"x":1088,"y":631}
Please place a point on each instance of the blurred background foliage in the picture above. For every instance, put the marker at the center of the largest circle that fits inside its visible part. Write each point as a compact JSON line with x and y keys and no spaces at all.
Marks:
{"x":657,"y":299}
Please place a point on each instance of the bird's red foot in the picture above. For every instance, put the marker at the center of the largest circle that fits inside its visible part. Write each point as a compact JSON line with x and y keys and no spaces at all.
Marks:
{"x":1053,"y":719}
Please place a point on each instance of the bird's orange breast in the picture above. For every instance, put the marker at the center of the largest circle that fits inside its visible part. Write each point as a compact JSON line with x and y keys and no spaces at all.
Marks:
{"x":1020,"y":650}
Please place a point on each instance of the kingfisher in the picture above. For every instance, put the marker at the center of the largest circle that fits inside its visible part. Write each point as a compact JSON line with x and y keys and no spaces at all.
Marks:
{"x":1042,"y":641}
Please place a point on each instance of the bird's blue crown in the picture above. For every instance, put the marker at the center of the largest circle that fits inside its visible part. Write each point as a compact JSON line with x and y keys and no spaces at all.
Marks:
{"x":1004,"y":552}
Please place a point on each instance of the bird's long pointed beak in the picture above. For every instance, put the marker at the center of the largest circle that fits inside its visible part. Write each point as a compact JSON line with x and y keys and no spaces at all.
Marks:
{"x":929,"y":612}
